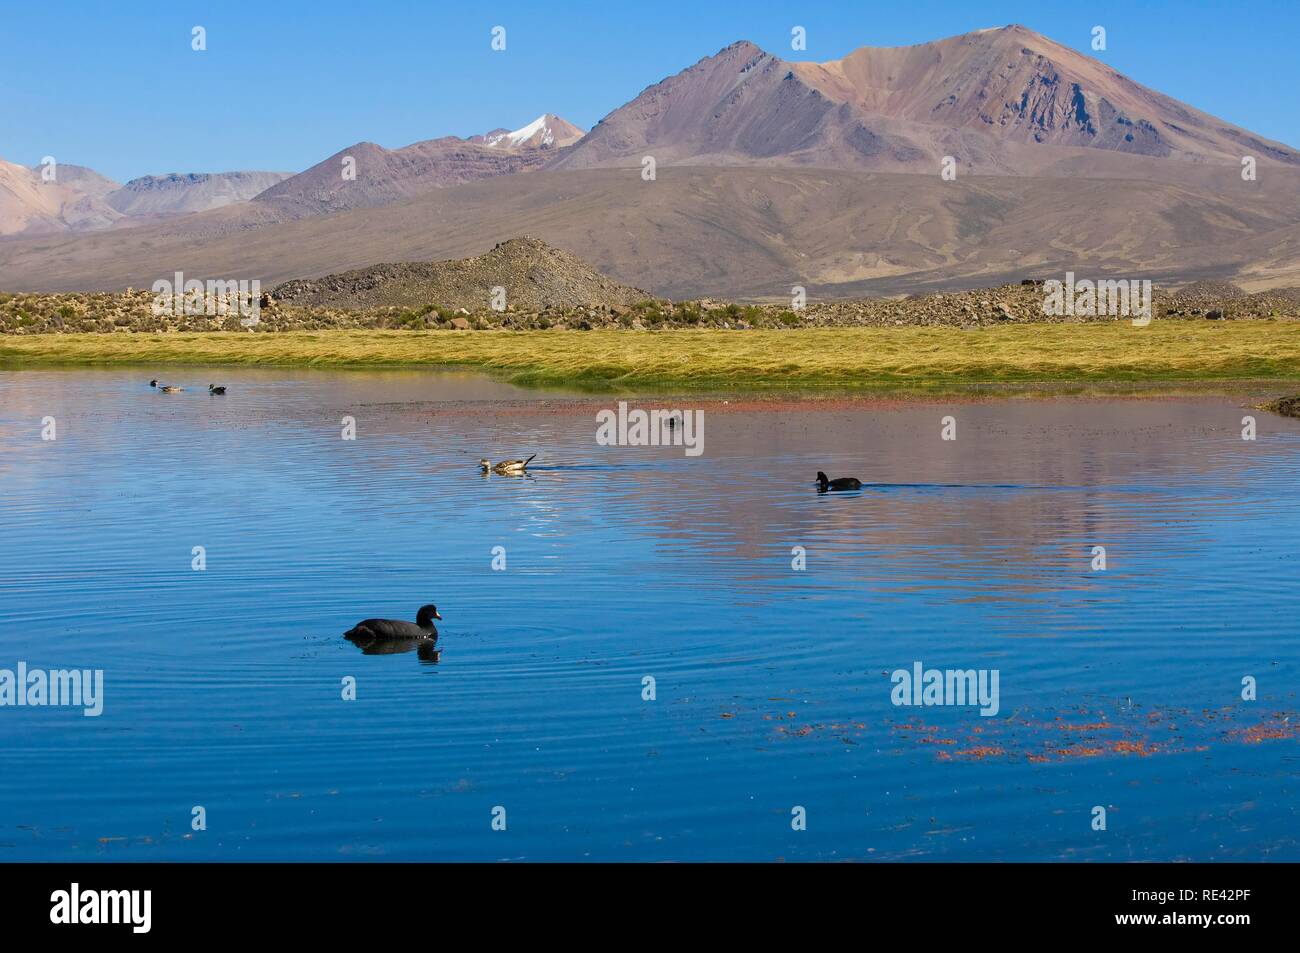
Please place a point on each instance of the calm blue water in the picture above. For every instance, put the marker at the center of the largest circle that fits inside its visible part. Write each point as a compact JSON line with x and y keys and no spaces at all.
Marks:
{"x":223,"y":688}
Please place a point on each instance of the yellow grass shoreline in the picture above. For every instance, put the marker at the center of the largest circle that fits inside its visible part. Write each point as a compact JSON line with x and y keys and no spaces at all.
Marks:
{"x":842,"y":358}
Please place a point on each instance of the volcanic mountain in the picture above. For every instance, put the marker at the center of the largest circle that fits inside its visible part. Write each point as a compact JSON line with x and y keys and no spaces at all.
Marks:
{"x":993,"y":99}
{"x":377,"y":176}
{"x":545,"y":132}
{"x":533,"y":274}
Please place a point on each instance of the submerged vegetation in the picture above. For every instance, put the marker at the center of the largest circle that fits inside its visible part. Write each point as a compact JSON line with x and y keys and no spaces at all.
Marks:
{"x":1169,"y":350}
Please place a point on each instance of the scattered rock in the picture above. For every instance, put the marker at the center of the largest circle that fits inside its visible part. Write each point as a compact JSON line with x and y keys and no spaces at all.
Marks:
{"x":107,"y":312}
{"x":1286,"y":406}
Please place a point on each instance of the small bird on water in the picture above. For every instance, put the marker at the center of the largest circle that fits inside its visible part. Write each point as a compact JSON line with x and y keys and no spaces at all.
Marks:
{"x":214,"y":389}
{"x":422,"y":628}
{"x":843,"y":483}
{"x":506,"y":466}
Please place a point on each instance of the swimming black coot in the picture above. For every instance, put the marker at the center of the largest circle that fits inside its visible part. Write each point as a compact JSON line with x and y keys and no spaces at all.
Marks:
{"x":843,"y":483}
{"x":421,"y":628}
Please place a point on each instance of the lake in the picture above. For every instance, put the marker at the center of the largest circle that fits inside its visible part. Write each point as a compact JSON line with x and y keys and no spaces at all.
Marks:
{"x":644,"y":655}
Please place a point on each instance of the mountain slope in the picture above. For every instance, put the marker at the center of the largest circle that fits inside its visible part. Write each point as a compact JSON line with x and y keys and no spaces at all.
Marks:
{"x":744,"y":232}
{"x":85,"y":181}
{"x":534,"y":275}
{"x":391,"y":175}
{"x":81,"y":199}
{"x":741,"y":104}
{"x":1001,"y":101}
{"x":31,"y":206}
{"x":545,"y":132}
{"x":1024,"y":87}
{"x":179,"y":194}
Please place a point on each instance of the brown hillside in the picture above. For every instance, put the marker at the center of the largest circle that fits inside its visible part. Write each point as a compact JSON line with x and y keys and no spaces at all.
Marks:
{"x":535,"y":276}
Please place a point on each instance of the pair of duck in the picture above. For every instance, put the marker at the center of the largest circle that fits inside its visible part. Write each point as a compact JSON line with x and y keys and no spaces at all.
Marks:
{"x":505,"y":467}
{"x":176,"y":389}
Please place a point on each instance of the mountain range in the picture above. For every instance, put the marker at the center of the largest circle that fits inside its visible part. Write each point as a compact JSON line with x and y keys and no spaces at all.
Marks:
{"x":78,"y":199}
{"x":768,"y":172}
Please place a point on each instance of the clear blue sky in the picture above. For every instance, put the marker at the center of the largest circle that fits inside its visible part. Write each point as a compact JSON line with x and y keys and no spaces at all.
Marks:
{"x":115,"y":85}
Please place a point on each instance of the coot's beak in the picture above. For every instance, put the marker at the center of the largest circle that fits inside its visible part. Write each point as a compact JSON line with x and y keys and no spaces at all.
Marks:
{"x":436,"y":616}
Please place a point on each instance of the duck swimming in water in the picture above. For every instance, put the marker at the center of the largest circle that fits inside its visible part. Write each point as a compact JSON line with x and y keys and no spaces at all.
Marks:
{"x":214,"y":389}
{"x":843,"y":483}
{"x":506,"y":466}
{"x":171,"y":388}
{"x":421,"y":628}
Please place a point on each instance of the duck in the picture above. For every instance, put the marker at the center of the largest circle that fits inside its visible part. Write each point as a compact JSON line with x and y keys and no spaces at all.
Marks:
{"x":171,"y":388}
{"x":214,"y":389}
{"x":421,"y":628}
{"x":154,"y":382}
{"x":843,"y":483}
{"x":506,"y":466}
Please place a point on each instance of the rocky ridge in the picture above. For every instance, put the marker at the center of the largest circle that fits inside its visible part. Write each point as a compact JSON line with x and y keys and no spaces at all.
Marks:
{"x":132,"y":311}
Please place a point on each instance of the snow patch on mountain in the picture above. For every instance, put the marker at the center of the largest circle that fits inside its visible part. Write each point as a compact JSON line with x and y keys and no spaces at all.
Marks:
{"x":517,"y":138}
{"x":544,"y":132}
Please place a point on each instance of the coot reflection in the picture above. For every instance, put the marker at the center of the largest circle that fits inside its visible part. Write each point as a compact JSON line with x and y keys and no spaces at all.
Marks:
{"x":426,"y":648}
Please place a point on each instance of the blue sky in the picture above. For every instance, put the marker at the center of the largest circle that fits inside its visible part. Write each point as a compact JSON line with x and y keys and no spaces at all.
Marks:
{"x":282,"y":85}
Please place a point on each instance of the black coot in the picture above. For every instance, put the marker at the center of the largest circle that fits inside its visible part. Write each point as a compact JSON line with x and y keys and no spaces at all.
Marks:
{"x":421,"y":628}
{"x":843,"y":483}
